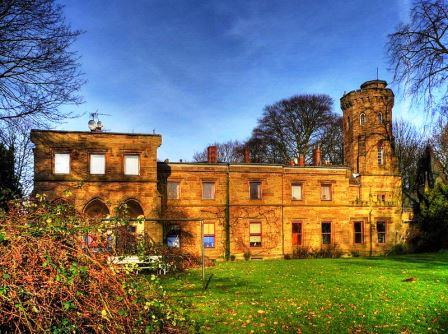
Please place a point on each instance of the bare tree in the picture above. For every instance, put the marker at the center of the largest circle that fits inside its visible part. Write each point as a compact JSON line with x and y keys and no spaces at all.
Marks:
{"x":418,"y":51}
{"x":408,"y":147}
{"x":332,"y":140}
{"x":291,"y":126}
{"x":440,"y":142}
{"x":18,"y":138}
{"x":38,"y":70}
{"x":230,"y":151}
{"x":38,"y":73}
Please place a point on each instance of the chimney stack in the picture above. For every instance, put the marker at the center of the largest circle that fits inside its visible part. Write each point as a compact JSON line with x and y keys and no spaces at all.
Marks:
{"x":212,"y":154}
{"x":316,"y":156}
{"x":301,"y":160}
{"x":247,"y":155}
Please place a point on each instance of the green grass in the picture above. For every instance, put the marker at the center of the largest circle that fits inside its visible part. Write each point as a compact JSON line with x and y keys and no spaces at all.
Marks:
{"x":356,"y":295}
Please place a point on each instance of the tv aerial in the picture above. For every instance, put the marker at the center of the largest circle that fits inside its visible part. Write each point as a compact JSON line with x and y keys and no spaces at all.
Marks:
{"x":94,"y":124}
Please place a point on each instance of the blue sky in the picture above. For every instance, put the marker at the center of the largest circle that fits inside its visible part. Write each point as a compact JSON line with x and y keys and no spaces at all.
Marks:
{"x":202,"y":71}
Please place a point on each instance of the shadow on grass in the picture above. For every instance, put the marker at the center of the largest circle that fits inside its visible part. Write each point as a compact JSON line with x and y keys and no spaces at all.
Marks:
{"x":428,"y":260}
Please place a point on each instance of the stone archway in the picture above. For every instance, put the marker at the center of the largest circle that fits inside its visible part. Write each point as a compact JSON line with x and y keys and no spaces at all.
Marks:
{"x":96,"y":208}
{"x":126,"y":235}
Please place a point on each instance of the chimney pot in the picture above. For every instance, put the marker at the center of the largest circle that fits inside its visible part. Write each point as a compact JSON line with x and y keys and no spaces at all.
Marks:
{"x":212,"y":154}
{"x":291,"y":163}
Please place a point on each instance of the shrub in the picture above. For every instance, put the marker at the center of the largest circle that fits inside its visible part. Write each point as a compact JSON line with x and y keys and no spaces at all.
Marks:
{"x":329,"y":251}
{"x":398,"y":249}
{"x":232,"y":257}
{"x":355,"y":253}
{"x":247,"y":255}
{"x":287,"y":257}
{"x":51,"y":282}
{"x":302,"y":253}
{"x":431,"y":221}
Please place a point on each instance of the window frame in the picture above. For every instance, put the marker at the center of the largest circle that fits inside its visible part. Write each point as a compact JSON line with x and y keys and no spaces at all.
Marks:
{"x":209,"y":235}
{"x":384,"y":221}
{"x":213,"y":193}
{"x":322,"y":184}
{"x":179,"y":227}
{"x":362,"y":119}
{"x":326,"y":233}
{"x":300,"y":235}
{"x":259,"y":192}
{"x":124,"y":163}
{"x":380,"y":154}
{"x":90,"y":162}
{"x":177,"y":192}
{"x":297,"y":183}
{"x":361,"y":222}
{"x":69,"y":162}
{"x":380,"y":118}
{"x":256,"y":234}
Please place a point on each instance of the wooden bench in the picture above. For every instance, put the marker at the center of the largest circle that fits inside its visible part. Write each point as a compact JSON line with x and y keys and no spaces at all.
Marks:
{"x":147,"y":262}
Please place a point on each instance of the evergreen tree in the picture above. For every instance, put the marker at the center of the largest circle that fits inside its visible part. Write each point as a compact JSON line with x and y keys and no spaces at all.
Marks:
{"x":9,"y":183}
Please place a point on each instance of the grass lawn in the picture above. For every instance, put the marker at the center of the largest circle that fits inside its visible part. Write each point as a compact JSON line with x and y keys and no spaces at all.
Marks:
{"x":356,"y":295}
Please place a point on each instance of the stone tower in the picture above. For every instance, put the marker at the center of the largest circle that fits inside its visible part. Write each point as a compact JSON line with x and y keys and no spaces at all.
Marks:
{"x":368,"y":135}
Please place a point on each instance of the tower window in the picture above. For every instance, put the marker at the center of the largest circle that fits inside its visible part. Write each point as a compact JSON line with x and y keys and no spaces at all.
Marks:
{"x":362,"y":119}
{"x":348,"y":123}
{"x":380,"y":154}
{"x":380,"y":118}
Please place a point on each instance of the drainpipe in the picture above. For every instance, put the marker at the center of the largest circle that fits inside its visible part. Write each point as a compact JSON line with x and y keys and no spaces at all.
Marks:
{"x":227,"y":215}
{"x":283,"y":204}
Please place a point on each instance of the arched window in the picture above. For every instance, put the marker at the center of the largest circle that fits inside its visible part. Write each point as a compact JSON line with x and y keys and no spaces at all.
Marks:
{"x":380,"y":118}
{"x":96,"y":209}
{"x":362,"y":119}
{"x":131,"y":208}
{"x":380,"y":154}
{"x":96,"y":241}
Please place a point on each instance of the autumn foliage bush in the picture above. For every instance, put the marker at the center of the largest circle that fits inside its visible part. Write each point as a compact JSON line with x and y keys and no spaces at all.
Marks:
{"x":50,"y":281}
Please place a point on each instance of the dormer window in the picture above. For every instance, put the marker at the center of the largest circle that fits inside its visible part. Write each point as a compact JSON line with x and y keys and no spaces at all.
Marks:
{"x":362,"y":119}
{"x":380,"y":118}
{"x":62,"y":163}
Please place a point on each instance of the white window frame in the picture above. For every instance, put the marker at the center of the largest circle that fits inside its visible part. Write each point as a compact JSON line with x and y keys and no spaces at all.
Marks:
{"x":57,"y":156}
{"x":213,"y":190}
{"x":297,"y":184}
{"x":125,"y":168}
{"x":101,"y":170}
